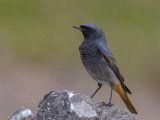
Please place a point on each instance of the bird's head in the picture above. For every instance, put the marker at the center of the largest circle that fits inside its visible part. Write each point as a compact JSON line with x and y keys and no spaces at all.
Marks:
{"x":90,"y":31}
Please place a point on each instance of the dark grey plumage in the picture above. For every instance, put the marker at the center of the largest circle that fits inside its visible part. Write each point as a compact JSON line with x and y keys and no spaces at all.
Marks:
{"x":97,"y":57}
{"x":90,"y":52}
{"x":100,"y":63}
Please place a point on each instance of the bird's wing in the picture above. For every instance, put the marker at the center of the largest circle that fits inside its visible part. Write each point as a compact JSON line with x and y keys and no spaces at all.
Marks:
{"x":113,"y":65}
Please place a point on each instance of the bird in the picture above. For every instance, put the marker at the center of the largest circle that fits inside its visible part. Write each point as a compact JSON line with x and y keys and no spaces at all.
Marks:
{"x":99,"y":62}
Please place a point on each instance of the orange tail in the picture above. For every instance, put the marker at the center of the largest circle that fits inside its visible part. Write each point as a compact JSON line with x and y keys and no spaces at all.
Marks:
{"x":118,"y":88}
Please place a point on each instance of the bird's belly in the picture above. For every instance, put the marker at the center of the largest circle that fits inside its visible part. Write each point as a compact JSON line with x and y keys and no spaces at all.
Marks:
{"x":99,"y":70}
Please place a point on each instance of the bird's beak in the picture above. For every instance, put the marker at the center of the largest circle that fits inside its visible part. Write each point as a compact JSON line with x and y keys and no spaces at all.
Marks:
{"x":77,"y":27}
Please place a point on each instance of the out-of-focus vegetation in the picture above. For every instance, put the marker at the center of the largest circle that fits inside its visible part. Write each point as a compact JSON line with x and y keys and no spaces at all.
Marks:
{"x":40,"y":31}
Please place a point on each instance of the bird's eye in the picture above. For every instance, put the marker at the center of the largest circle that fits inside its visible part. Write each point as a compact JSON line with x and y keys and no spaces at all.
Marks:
{"x":90,"y":29}
{"x":82,"y":26}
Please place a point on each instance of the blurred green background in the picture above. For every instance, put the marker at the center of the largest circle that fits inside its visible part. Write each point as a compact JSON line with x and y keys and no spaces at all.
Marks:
{"x":39,"y":50}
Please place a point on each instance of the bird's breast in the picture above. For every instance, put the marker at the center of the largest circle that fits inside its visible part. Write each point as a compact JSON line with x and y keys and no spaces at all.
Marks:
{"x":89,"y":51}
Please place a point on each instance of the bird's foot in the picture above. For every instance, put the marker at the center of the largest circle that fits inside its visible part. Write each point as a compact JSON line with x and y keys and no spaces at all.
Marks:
{"x":109,"y":104}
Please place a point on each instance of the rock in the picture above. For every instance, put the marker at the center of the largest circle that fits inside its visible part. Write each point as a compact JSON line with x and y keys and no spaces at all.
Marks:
{"x":22,"y":114}
{"x":68,"y":105}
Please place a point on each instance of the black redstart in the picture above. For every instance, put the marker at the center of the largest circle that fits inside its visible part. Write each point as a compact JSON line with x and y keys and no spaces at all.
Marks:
{"x":100,"y":63}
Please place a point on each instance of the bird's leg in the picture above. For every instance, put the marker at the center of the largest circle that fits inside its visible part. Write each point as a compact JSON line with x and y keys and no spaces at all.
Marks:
{"x":99,"y":86}
{"x":110,"y":104}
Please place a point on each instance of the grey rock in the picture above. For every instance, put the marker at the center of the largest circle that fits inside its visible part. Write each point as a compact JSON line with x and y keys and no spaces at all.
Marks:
{"x":69,"y":105}
{"x":22,"y":114}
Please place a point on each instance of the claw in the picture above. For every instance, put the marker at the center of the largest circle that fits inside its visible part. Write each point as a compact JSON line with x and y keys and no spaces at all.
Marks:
{"x":109,"y":104}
